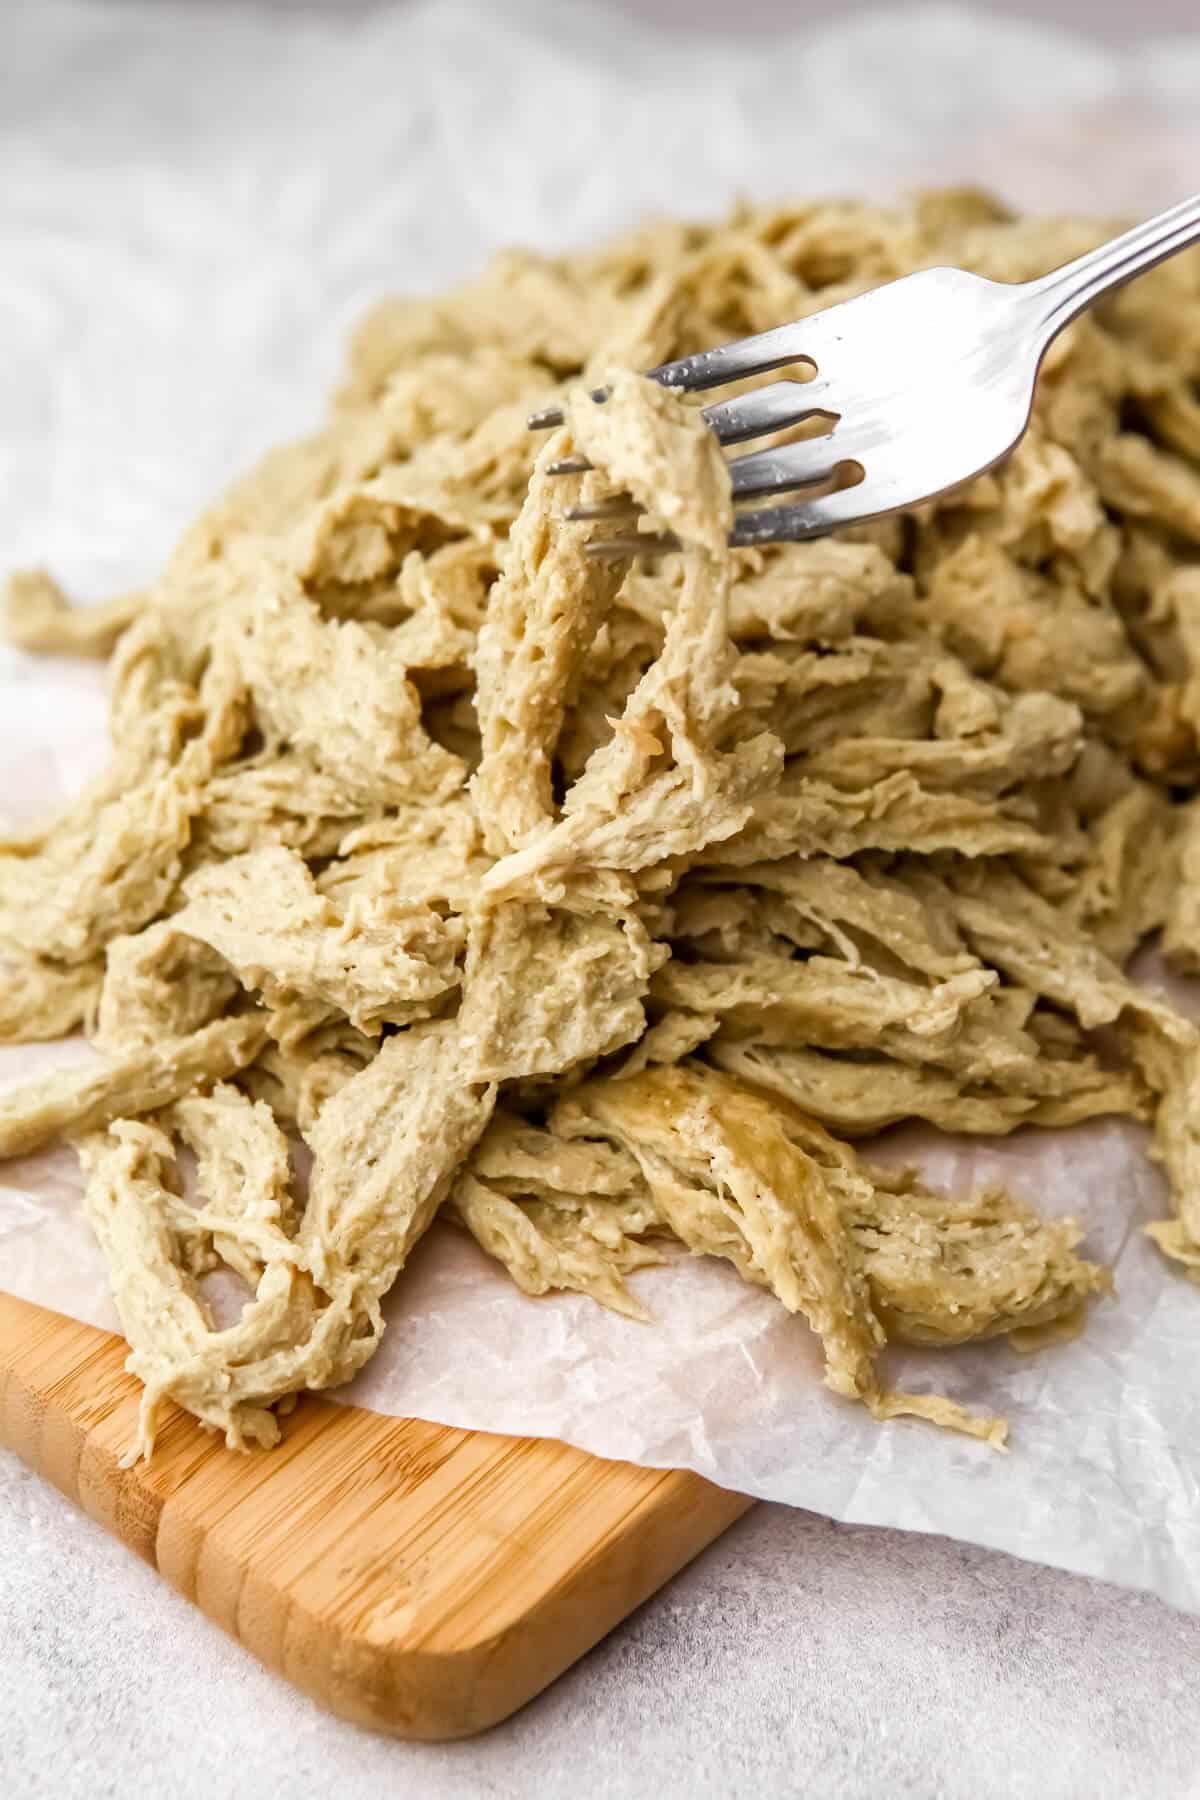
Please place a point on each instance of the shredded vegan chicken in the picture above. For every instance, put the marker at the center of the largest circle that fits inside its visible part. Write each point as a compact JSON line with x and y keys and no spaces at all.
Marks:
{"x":583,"y":901}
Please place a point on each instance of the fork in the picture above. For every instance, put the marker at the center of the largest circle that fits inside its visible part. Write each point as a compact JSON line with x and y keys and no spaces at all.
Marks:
{"x":923,"y":384}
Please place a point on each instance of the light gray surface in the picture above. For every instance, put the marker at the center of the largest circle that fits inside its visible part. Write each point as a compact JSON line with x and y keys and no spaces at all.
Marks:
{"x":795,"y":1656}
{"x":1115,"y":20}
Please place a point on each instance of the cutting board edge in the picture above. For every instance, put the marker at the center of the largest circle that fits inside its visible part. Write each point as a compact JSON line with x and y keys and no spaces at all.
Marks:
{"x":470,"y":1690}
{"x":67,"y":1407}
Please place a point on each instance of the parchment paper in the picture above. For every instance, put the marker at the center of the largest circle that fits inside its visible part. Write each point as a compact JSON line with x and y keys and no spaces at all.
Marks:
{"x":195,"y":206}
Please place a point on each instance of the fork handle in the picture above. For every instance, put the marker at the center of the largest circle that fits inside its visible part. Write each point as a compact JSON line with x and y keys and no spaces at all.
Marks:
{"x":1067,"y":291}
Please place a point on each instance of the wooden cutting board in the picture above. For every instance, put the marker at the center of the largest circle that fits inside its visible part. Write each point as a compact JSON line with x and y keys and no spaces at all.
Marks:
{"x":411,"y":1577}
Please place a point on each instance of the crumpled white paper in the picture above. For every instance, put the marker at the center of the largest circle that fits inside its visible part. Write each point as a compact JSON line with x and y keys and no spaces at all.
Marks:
{"x":197,"y":202}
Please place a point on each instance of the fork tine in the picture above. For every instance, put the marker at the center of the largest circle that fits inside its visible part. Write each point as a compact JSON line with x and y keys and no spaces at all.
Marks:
{"x":551,"y":416}
{"x":618,"y":510}
{"x":710,"y":368}
{"x":789,"y":466}
{"x":746,"y":356}
{"x":807,"y":519}
{"x":768,"y":409}
{"x":633,"y":543}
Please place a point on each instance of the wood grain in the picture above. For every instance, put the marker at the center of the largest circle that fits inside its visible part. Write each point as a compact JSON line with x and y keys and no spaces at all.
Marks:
{"x":411,"y":1577}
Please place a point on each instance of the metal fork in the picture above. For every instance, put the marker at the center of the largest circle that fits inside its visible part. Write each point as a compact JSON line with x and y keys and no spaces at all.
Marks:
{"x":924,"y":383}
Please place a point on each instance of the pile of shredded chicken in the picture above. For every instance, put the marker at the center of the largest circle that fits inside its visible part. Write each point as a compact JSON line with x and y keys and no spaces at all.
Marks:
{"x":596,"y":905}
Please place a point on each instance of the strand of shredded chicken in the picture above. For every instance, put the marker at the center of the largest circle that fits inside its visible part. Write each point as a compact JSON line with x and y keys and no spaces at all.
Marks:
{"x":582,"y":901}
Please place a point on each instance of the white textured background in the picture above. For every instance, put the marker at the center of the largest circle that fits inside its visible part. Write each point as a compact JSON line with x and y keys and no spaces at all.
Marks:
{"x":797,"y":1656}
